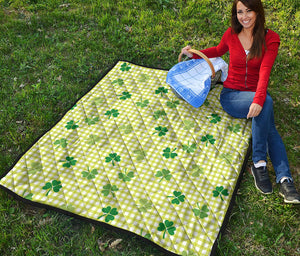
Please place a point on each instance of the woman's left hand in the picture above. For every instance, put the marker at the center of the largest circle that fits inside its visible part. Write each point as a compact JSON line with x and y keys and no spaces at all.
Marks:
{"x":254,"y":110}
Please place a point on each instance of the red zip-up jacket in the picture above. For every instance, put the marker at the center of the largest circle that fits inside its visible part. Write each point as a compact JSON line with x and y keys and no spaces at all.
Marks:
{"x":246,"y":75}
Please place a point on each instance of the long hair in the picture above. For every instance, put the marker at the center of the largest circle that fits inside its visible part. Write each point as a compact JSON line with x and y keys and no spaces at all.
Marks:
{"x":259,"y":27}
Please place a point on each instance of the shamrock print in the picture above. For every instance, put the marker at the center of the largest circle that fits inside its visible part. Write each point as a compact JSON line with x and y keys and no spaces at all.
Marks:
{"x":108,"y":188}
{"x":177,"y":197}
{"x":167,"y":226}
{"x":61,"y":143}
{"x":188,"y":253}
{"x":91,"y":121}
{"x":159,"y":114}
{"x":188,"y":125}
{"x":93,"y":139}
{"x":126,"y":176}
{"x":144,"y":78}
{"x":197,"y":170}
{"x":54,"y":185}
{"x":208,"y":138}
{"x":214,"y":118}
{"x":234,"y":128}
{"x":109,"y":213}
{"x":161,"y":131}
{"x":140,"y":154}
{"x":89,"y":174}
{"x":173,"y":103}
{"x":28,"y":196}
{"x":113,"y":112}
{"x":145,"y":205}
{"x":164,"y":174}
{"x":220,"y":191}
{"x":206,"y":103}
{"x":168,"y":153}
{"x":35,"y":168}
{"x":118,"y":81}
{"x":114,"y":157}
{"x":125,"y":95}
{"x":189,"y":148}
{"x":125,"y":67}
{"x":70,"y":161}
{"x":201,"y":212}
{"x":142,"y":103}
{"x":227,"y":157}
{"x":161,"y":90}
{"x":147,"y":235}
{"x":72,"y":125}
{"x":97,"y":101}
{"x":126,"y":128}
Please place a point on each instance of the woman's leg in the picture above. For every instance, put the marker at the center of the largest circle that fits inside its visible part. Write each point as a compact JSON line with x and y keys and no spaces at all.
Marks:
{"x":265,"y":137}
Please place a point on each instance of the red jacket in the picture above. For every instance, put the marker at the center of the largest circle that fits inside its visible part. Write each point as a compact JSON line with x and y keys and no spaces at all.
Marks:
{"x":246,"y":75}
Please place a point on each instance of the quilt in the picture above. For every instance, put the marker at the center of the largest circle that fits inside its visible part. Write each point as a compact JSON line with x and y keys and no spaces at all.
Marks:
{"x":132,"y":155}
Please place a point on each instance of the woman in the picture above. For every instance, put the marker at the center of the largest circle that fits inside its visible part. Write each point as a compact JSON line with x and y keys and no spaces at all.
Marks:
{"x":253,"y":50}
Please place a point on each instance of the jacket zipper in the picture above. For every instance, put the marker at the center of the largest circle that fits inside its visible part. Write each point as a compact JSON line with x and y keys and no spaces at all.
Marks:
{"x":246,"y":72}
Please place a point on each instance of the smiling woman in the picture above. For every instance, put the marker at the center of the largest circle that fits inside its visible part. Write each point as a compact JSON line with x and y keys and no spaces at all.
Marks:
{"x":253,"y":50}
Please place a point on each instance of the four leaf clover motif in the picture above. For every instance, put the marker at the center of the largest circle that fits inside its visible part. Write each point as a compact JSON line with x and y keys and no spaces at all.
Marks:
{"x":109,"y":213}
{"x":167,"y":226}
{"x":55,"y":185}
{"x":220,"y":191}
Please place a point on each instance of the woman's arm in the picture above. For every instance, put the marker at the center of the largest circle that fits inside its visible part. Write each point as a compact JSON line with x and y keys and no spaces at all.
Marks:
{"x":211,"y":52}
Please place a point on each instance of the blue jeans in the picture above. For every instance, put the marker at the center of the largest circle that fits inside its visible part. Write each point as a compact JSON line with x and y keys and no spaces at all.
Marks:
{"x":265,"y":138}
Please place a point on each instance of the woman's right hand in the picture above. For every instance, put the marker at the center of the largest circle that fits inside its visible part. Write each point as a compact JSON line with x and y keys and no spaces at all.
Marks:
{"x":184,"y":51}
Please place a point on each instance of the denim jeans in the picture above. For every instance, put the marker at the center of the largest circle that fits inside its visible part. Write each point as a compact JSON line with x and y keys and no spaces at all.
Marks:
{"x":265,"y":138}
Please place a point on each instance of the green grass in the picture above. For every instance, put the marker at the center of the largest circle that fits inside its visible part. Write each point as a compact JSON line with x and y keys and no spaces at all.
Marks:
{"x":52,"y":53}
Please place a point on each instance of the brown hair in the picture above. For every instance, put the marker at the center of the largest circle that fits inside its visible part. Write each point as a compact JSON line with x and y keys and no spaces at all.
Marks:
{"x":259,"y":27}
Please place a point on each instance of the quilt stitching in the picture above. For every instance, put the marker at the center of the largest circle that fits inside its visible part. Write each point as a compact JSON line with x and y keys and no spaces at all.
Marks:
{"x":130,"y":154}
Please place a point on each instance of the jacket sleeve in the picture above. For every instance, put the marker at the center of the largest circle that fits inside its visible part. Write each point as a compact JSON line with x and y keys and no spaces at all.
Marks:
{"x":218,"y":50}
{"x":265,"y":68}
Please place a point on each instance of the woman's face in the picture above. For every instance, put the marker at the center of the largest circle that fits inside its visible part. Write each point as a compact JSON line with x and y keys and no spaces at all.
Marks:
{"x":245,"y":16}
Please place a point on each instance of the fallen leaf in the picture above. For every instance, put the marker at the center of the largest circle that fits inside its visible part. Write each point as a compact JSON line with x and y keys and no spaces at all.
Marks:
{"x":114,"y":244}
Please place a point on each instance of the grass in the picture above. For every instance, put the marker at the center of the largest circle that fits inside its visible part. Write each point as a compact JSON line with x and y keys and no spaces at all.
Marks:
{"x":53,"y":52}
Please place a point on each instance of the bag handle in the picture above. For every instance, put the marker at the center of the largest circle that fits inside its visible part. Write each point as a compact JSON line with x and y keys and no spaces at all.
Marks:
{"x":204,"y":57}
